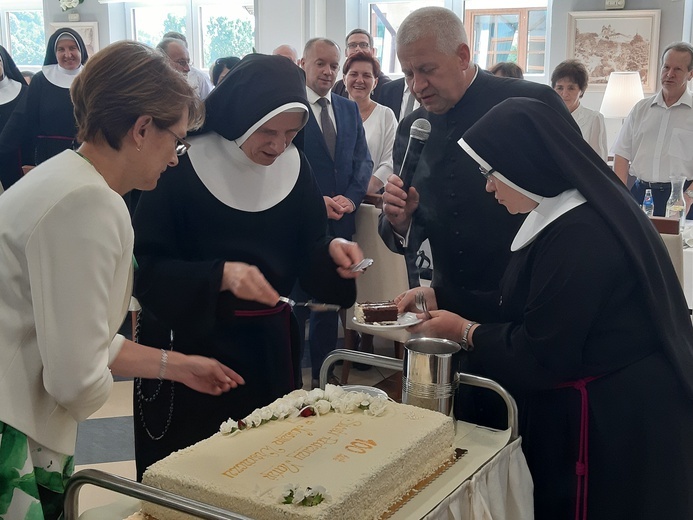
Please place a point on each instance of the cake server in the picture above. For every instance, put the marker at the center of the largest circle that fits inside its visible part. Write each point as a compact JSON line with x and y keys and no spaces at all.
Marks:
{"x":362,"y":265}
{"x":313,"y":306}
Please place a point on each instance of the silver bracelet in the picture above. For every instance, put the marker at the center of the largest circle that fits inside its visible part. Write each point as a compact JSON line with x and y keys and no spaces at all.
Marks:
{"x":465,"y":337}
{"x":164,"y":363}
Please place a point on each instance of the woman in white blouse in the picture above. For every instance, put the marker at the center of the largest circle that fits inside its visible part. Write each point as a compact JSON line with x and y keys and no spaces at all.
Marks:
{"x":66,"y":272}
{"x":569,"y":79}
{"x":379,"y":122}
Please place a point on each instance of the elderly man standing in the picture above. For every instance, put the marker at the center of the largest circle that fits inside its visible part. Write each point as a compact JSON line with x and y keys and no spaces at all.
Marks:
{"x":175,"y":46}
{"x":656,"y":138}
{"x":288,"y":52}
{"x":469,"y":232}
{"x":360,"y":40}
{"x":335,"y":144}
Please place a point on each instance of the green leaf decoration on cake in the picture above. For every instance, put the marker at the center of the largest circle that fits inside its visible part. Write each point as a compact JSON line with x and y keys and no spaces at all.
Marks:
{"x":308,"y":497}
{"x":314,"y":496}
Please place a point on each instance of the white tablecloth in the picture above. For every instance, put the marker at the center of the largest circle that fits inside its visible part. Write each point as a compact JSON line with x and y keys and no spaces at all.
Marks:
{"x":491,"y":482}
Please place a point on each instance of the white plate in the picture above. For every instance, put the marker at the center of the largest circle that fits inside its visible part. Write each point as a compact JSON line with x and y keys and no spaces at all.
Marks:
{"x":403,"y":321}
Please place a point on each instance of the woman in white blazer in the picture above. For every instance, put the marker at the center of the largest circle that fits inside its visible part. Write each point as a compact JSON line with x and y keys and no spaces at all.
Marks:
{"x":66,"y":269}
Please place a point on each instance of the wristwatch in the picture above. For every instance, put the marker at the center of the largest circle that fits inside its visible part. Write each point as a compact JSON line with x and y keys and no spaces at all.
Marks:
{"x":465,"y":337}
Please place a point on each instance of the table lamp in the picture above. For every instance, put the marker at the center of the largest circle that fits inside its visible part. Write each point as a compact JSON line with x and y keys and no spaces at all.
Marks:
{"x":623,"y":91}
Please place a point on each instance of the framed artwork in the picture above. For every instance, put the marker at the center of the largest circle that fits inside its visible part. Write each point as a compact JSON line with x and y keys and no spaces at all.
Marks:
{"x":616,"y":41}
{"x":89,"y":31}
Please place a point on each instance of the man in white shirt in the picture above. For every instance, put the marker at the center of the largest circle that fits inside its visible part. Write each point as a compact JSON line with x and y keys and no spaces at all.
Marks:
{"x":656,"y":139}
{"x":198,"y":79}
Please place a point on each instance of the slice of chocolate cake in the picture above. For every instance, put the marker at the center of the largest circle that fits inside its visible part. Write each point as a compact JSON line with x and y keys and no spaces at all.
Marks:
{"x":376,"y":312}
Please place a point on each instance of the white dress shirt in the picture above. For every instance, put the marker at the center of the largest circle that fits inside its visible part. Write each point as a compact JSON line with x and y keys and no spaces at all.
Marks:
{"x":405,"y":99}
{"x":317,"y":109}
{"x":658,"y":140}
{"x":200,"y":82}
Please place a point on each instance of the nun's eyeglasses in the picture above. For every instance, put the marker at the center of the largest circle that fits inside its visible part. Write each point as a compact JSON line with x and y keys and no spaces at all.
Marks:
{"x":488,"y":174}
{"x":181,"y":144}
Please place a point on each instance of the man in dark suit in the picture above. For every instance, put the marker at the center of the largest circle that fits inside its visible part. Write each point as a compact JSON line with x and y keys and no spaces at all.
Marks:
{"x":335,"y":144}
{"x":397,"y":96}
{"x":360,"y":40}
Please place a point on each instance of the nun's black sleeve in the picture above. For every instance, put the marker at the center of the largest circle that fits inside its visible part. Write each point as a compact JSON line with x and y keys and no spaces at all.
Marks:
{"x":570,"y":309}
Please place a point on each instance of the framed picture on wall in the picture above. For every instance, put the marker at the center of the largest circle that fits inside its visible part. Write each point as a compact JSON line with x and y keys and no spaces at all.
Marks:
{"x":616,"y":41}
{"x":89,"y":31}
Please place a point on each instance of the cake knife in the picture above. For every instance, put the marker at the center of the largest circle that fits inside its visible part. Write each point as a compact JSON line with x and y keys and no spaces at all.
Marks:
{"x":313,"y":306}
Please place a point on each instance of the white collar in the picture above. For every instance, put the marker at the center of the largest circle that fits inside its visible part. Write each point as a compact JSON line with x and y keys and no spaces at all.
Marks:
{"x":9,"y":89}
{"x":548,"y":210}
{"x":235,"y":180}
{"x":313,"y":96}
{"x":685,"y":99}
{"x":59,"y":76}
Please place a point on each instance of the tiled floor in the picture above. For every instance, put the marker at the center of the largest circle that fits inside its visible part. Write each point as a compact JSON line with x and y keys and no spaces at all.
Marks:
{"x":106,"y":440}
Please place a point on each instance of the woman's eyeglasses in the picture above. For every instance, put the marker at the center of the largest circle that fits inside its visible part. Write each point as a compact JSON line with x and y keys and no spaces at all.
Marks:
{"x":488,"y":174}
{"x":181,"y":144}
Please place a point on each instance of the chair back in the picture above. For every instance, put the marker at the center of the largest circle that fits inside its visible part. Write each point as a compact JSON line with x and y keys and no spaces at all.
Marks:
{"x":674,"y":245}
{"x":669,"y":231}
{"x":386,"y":278}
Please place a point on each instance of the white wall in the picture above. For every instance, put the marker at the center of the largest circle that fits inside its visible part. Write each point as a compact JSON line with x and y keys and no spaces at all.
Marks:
{"x":273,"y":20}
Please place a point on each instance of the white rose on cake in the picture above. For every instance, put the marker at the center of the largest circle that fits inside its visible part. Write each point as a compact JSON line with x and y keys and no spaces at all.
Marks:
{"x":266,"y":413}
{"x":314,"y":395}
{"x":322,"y":406}
{"x":228,"y":427}
{"x":333,"y":392}
{"x":377,"y":407}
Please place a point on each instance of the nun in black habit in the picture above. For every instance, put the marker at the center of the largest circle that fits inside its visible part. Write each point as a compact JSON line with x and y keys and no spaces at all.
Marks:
{"x":241,"y":205}
{"x":592,"y":333}
{"x":12,"y":88}
{"x":43,"y":124}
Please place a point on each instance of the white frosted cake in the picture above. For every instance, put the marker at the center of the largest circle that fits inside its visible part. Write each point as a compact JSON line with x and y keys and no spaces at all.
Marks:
{"x":353,"y":459}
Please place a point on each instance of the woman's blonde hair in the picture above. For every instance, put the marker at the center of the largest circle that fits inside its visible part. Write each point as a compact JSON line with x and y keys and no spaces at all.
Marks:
{"x":127,"y":80}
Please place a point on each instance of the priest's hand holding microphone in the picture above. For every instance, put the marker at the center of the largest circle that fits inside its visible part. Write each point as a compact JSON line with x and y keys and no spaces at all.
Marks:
{"x":400,"y":199}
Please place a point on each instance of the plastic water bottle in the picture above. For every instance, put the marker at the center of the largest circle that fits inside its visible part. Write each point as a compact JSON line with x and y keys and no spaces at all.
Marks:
{"x":648,"y":203}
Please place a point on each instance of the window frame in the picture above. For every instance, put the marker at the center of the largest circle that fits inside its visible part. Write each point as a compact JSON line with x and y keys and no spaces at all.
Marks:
{"x":17,"y":5}
{"x":456,"y":6}
{"x":522,"y":32}
{"x":193,"y":25}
